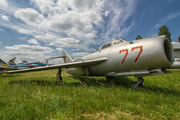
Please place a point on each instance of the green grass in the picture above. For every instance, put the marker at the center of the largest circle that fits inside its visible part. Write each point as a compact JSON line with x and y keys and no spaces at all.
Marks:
{"x":34,"y":96}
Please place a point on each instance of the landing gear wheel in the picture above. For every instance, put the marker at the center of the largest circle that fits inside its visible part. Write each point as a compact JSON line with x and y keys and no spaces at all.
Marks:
{"x":138,"y":84}
{"x":133,"y":85}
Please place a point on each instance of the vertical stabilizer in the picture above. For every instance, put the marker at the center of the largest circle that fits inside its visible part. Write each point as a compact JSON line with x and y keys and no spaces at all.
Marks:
{"x":11,"y":61}
{"x":2,"y":63}
{"x":67,"y":59}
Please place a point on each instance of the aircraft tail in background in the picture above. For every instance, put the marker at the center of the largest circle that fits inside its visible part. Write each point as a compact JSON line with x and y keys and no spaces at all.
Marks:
{"x":66,"y":58}
{"x":2,"y":63}
{"x":11,"y":61}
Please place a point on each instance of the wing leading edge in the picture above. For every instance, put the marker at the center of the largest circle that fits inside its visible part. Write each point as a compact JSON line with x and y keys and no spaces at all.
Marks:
{"x":81,"y":63}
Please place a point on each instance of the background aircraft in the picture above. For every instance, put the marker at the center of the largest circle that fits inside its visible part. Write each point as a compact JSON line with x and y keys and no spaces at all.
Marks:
{"x":22,"y":65}
{"x":28,"y":64}
{"x":118,"y":57}
{"x":176,"y":47}
{"x":4,"y":66}
{"x":2,"y":63}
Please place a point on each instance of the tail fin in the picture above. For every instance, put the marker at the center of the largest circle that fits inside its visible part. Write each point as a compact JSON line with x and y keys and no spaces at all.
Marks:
{"x":67,"y":59}
{"x":24,"y":61}
{"x":11,"y":62}
{"x":47,"y":61}
{"x":3,"y":63}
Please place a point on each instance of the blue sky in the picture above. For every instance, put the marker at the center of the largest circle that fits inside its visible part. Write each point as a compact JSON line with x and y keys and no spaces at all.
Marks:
{"x":39,"y":29}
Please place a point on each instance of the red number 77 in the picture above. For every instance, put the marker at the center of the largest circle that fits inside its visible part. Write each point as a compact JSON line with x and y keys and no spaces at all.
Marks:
{"x":126,"y":50}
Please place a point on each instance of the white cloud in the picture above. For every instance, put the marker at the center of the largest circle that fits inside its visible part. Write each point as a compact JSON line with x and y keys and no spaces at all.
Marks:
{"x":4,"y":17}
{"x":74,"y":20}
{"x":77,"y":49}
{"x":29,"y":16}
{"x":33,"y":41}
{"x":44,"y":5}
{"x":85,"y":5}
{"x":119,"y":12}
{"x":27,"y":52}
{"x":0,"y":42}
{"x":166,"y":19}
{"x":89,"y":35}
{"x":27,"y":32}
{"x":46,"y":37}
{"x":65,"y":42}
{"x":27,"y":48}
{"x":74,"y":33}
{"x":1,"y":29}
{"x":3,"y":3}
{"x":171,"y":16}
{"x":80,"y":54}
{"x":67,"y":23}
{"x":106,"y":13}
{"x":59,"y":49}
{"x":65,"y":17}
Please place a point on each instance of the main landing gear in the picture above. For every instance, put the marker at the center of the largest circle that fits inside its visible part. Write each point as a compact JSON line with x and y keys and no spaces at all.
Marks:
{"x":109,"y":78}
{"x":58,"y":77}
{"x":138,"y":83}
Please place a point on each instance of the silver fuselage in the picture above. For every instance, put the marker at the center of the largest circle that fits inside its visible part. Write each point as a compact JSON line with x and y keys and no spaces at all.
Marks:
{"x":138,"y":55}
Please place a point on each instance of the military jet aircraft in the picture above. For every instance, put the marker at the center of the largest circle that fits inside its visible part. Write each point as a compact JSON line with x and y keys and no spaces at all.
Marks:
{"x":118,"y":57}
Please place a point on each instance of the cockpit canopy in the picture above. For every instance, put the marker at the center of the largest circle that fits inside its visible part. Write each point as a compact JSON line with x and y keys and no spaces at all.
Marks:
{"x":112,"y":42}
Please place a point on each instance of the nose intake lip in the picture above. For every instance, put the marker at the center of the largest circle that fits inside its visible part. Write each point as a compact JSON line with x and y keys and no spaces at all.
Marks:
{"x":169,"y":52}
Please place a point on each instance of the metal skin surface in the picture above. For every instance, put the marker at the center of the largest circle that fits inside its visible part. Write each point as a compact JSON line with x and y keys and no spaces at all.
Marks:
{"x":136,"y":58}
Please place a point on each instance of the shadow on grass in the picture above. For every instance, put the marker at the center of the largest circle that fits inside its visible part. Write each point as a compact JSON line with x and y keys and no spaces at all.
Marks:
{"x":34,"y":82}
{"x":79,"y":81}
{"x":124,"y":82}
{"x":9,"y":75}
{"x":100,"y":82}
{"x":97,"y":82}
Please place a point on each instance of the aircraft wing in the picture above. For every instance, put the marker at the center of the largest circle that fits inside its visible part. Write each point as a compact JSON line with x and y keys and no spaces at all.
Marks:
{"x":4,"y":67}
{"x":81,"y":63}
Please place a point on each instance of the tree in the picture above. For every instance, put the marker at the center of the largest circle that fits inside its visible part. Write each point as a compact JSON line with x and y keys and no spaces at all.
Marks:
{"x":179,"y":39}
{"x":139,"y":37}
{"x":163,"y":30}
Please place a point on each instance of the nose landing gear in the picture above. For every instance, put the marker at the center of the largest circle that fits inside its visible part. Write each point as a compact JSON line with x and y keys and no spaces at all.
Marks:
{"x":138,"y":83}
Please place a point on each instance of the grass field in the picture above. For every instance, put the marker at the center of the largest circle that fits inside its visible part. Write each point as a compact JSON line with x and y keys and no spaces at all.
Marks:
{"x":34,"y":96}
